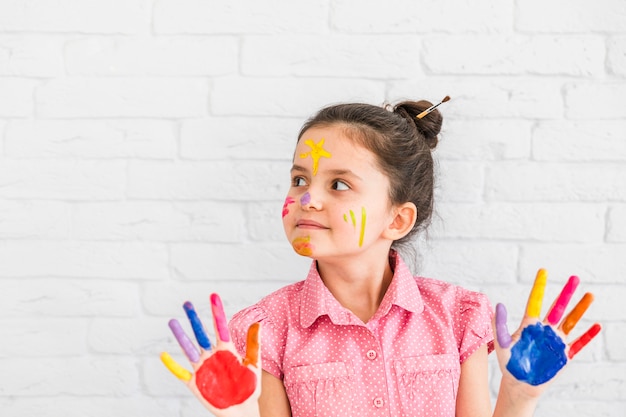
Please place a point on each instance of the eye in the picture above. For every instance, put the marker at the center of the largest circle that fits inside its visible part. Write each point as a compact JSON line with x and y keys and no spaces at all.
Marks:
{"x":340,"y":185}
{"x":298,"y":182}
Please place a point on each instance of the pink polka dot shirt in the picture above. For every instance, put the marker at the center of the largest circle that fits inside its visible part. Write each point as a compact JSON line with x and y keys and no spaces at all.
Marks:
{"x":405,"y":361}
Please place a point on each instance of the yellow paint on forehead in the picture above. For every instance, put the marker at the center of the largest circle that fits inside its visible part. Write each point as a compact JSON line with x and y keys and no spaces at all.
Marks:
{"x":317,"y":151}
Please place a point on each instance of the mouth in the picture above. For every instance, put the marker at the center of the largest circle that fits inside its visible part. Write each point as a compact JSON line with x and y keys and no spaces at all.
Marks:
{"x":309,"y":224}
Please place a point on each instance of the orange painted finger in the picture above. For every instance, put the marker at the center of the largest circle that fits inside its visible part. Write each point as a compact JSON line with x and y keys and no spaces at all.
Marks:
{"x":583,"y":340}
{"x":577,"y":312}
{"x":252,"y":346}
{"x":535,"y":299}
{"x":175,"y":368}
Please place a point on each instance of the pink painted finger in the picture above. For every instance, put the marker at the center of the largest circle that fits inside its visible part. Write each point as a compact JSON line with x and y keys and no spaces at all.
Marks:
{"x":185,"y":343}
{"x":502,"y":332}
{"x":219,"y":318}
{"x":578,"y":344}
{"x":557,"y":310}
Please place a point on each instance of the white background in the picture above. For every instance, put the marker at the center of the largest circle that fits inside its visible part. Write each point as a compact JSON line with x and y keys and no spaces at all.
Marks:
{"x":144,"y":155}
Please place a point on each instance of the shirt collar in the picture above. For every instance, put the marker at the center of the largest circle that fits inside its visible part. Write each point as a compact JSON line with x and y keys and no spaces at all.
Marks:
{"x":318,"y":301}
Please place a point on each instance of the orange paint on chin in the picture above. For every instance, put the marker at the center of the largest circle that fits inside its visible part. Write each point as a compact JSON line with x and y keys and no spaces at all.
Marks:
{"x":302,"y":246}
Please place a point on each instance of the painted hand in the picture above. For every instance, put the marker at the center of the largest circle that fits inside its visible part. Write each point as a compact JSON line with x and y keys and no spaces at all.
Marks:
{"x":226,"y":384}
{"x":536,"y":352}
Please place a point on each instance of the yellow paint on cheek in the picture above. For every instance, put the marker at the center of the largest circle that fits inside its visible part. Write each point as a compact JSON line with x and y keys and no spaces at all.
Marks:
{"x":353,"y":218}
{"x":363,"y":217}
{"x":302,"y":246}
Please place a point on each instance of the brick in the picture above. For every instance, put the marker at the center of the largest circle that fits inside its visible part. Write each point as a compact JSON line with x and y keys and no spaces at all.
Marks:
{"x":264,"y":221}
{"x":215,"y":17}
{"x":159,"y":221}
{"x":590,"y":382}
{"x":289,"y":97}
{"x":28,"y":219}
{"x":31,"y":55}
{"x":96,"y":406}
{"x":43,"y":338}
{"x":263,"y":262}
{"x":332,"y":56}
{"x":484,"y":98}
{"x":595,"y":100}
{"x":615,"y":334}
{"x":58,"y":179}
{"x":149,"y":56}
{"x":519,"y":221}
{"x":579,"y":141}
{"x":483,"y":140}
{"x":616,"y":59}
{"x":571,"y":406}
{"x":593,"y":263}
{"x":515,"y":55}
{"x":84,"y":16}
{"x":518,"y":181}
{"x":93,"y":139}
{"x":616,"y":224}
{"x":138,"y":337}
{"x":575,"y":16}
{"x":123,"y":260}
{"x":459,"y":181}
{"x":82,"y":376}
{"x":122,"y":97}
{"x":62,"y":297}
{"x":406,"y":16}
{"x":219,"y":180}
{"x":16,"y":97}
{"x":262,"y":138}
{"x":158,"y":382}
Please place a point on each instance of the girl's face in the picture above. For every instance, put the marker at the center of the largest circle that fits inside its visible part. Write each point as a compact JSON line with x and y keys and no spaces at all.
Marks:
{"x":338,"y":203}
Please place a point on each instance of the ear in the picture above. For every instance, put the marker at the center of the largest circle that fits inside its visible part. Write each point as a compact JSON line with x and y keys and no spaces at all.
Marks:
{"x":404,"y":218}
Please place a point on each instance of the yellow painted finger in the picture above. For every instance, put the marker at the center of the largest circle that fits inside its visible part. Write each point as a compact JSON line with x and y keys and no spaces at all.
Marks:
{"x":533,"y":308}
{"x":174,"y":367}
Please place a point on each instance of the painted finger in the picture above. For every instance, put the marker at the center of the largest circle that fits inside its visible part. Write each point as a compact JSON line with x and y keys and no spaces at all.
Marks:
{"x":559,"y":306}
{"x":502,"y":332}
{"x":252,"y":346}
{"x":185,"y":343}
{"x":582,"y":341}
{"x":175,"y":368}
{"x":196,"y":325}
{"x":219,"y":318}
{"x":535,"y":299}
{"x":577,"y":312}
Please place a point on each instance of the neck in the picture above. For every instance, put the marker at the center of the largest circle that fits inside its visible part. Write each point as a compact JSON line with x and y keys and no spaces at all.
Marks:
{"x":359,"y":284}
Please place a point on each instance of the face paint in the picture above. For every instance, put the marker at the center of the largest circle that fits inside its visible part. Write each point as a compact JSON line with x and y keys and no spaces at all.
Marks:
{"x":302,"y":246}
{"x":219,"y":317}
{"x":305,"y":199}
{"x":502,"y":332}
{"x":582,"y":341}
{"x":175,"y":368}
{"x":317,"y":151}
{"x":188,"y":347}
{"x":225,"y":392}
{"x":533,"y":308}
{"x":538,"y":355}
{"x":362,"y":226}
{"x":577,"y":312}
{"x":557,"y":310}
{"x":288,"y":200}
{"x":353,"y":218}
{"x":196,"y":325}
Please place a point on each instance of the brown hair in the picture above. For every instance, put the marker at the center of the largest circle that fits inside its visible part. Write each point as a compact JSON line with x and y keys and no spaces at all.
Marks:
{"x":402,"y":144}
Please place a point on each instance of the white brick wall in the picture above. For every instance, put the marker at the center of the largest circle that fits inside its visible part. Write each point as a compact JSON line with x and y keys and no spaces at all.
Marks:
{"x":145,"y":146}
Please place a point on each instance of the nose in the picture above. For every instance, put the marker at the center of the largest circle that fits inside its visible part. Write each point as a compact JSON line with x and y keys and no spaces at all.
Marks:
{"x":309,"y":203}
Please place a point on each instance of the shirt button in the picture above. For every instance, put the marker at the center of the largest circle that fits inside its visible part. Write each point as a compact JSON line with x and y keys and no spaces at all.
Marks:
{"x":378,"y":402}
{"x":371,"y":354}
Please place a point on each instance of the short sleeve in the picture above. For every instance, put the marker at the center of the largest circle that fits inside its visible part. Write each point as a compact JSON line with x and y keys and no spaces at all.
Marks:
{"x":270,"y":354}
{"x":473,"y":323}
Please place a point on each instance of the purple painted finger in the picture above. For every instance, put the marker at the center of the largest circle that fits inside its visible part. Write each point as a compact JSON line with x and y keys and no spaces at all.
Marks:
{"x":502,"y":332}
{"x":557,"y":310}
{"x":185,"y":343}
{"x":219,"y":317}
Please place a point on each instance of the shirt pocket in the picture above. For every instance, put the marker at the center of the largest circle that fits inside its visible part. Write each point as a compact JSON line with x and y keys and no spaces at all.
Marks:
{"x":427,"y":385}
{"x":320,"y":390}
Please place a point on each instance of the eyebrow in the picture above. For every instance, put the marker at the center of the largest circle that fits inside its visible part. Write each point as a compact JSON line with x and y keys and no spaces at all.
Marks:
{"x":338,"y":172}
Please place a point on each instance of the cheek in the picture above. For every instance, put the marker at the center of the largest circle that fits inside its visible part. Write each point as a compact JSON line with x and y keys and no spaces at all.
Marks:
{"x":288,"y":201}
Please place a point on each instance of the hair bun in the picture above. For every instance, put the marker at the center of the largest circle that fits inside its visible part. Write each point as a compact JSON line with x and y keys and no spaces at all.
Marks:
{"x":428,"y":126}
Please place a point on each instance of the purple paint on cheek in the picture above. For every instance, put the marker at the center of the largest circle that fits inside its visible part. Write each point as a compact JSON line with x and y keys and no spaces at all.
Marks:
{"x":305,"y":199}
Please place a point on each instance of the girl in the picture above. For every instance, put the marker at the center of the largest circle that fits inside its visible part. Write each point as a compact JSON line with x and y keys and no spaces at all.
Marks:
{"x":360,"y":336}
